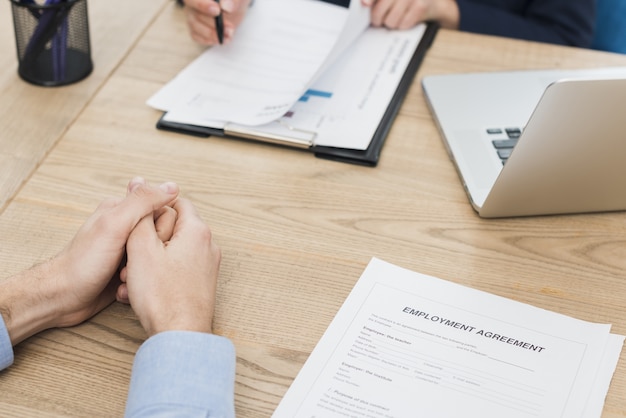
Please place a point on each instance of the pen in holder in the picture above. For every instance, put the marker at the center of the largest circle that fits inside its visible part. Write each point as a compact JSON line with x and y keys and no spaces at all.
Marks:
{"x":52,"y":39}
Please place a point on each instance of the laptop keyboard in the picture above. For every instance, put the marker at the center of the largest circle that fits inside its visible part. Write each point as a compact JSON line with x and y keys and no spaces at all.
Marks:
{"x":504,"y":140}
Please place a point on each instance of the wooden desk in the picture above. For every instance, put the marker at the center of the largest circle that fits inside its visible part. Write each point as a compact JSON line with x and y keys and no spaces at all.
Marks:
{"x":34,"y":118}
{"x":296,"y":232}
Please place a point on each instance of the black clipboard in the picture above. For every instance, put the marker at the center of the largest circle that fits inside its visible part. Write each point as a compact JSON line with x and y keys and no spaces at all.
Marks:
{"x":367,"y":157}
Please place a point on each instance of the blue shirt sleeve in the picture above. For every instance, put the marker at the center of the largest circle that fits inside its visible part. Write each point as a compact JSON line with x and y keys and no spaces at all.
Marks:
{"x":183,"y":373}
{"x":610,"y":32}
{"x":565,"y":22}
{"x":6,"y":349}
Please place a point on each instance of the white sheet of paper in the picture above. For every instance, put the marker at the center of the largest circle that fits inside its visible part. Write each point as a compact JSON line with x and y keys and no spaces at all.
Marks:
{"x":344,"y":107}
{"x":277,"y":52}
{"x":358,"y":91}
{"x":409,"y":345}
{"x":595,"y":403}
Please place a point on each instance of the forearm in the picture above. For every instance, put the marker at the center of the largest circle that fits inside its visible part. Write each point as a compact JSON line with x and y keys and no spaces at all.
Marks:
{"x":23,"y":306}
{"x":183,"y":373}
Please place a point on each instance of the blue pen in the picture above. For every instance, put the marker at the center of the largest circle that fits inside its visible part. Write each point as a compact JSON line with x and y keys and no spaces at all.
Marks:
{"x":59,"y":41}
{"x":52,"y":27}
{"x":36,"y":43}
{"x":59,"y":48}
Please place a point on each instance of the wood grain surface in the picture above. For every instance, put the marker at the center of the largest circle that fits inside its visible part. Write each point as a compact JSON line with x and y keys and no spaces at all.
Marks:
{"x":296,"y":232}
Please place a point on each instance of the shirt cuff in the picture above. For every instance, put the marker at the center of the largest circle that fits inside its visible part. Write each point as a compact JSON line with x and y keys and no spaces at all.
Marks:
{"x":6,"y":348}
{"x":183,"y":372}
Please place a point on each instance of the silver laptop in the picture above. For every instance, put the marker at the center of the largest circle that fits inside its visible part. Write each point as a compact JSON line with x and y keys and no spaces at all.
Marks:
{"x":535,"y":142}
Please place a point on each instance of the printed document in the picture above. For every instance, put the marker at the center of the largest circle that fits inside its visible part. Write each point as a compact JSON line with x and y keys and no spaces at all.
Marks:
{"x":409,"y":345}
{"x":345,"y":105}
{"x":279,"y":49}
{"x":302,"y":70}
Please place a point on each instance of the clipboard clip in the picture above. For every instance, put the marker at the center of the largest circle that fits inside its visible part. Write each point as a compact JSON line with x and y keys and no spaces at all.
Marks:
{"x":299,"y":138}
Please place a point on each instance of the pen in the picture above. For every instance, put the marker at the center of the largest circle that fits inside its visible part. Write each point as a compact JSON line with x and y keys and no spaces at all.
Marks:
{"x":51,"y":29}
{"x":219,"y":26}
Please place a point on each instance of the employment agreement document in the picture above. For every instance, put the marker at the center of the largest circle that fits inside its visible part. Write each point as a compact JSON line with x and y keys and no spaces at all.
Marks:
{"x":409,"y":345}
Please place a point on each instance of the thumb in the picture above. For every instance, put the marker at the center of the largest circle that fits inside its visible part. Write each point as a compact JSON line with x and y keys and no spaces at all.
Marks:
{"x":142,"y":200}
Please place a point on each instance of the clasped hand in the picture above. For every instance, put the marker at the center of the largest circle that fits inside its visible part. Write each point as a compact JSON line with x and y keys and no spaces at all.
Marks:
{"x":150,"y":249}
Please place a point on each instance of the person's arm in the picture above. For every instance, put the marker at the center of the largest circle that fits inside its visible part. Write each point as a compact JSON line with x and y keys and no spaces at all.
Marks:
{"x":564,"y":22}
{"x":6,"y":348}
{"x":185,"y":373}
{"x":82,"y":279}
{"x":182,"y":369}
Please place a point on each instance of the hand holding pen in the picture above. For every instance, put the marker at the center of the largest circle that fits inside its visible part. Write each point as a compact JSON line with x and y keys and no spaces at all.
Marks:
{"x":206,"y":17}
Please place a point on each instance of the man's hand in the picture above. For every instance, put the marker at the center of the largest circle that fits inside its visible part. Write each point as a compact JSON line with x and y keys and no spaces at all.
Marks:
{"x":201,"y":16}
{"x":82,"y":279}
{"x":171,"y":285}
{"x":404,"y":14}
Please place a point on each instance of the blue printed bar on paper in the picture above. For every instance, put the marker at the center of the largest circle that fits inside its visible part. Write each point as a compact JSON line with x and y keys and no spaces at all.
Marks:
{"x":317,"y":93}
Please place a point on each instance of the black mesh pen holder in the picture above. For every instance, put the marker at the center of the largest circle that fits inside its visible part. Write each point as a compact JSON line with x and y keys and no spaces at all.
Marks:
{"x":53,"y":47}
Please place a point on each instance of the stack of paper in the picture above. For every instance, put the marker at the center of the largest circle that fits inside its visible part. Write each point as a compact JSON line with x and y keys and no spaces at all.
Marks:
{"x":408,"y":345}
{"x":302,"y":72}
{"x":279,"y":49}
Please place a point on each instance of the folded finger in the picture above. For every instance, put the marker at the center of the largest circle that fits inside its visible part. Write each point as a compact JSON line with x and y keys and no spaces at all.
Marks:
{"x":202,"y":29}
{"x":143,"y":200}
{"x":164,"y":222}
{"x":122,"y":294}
